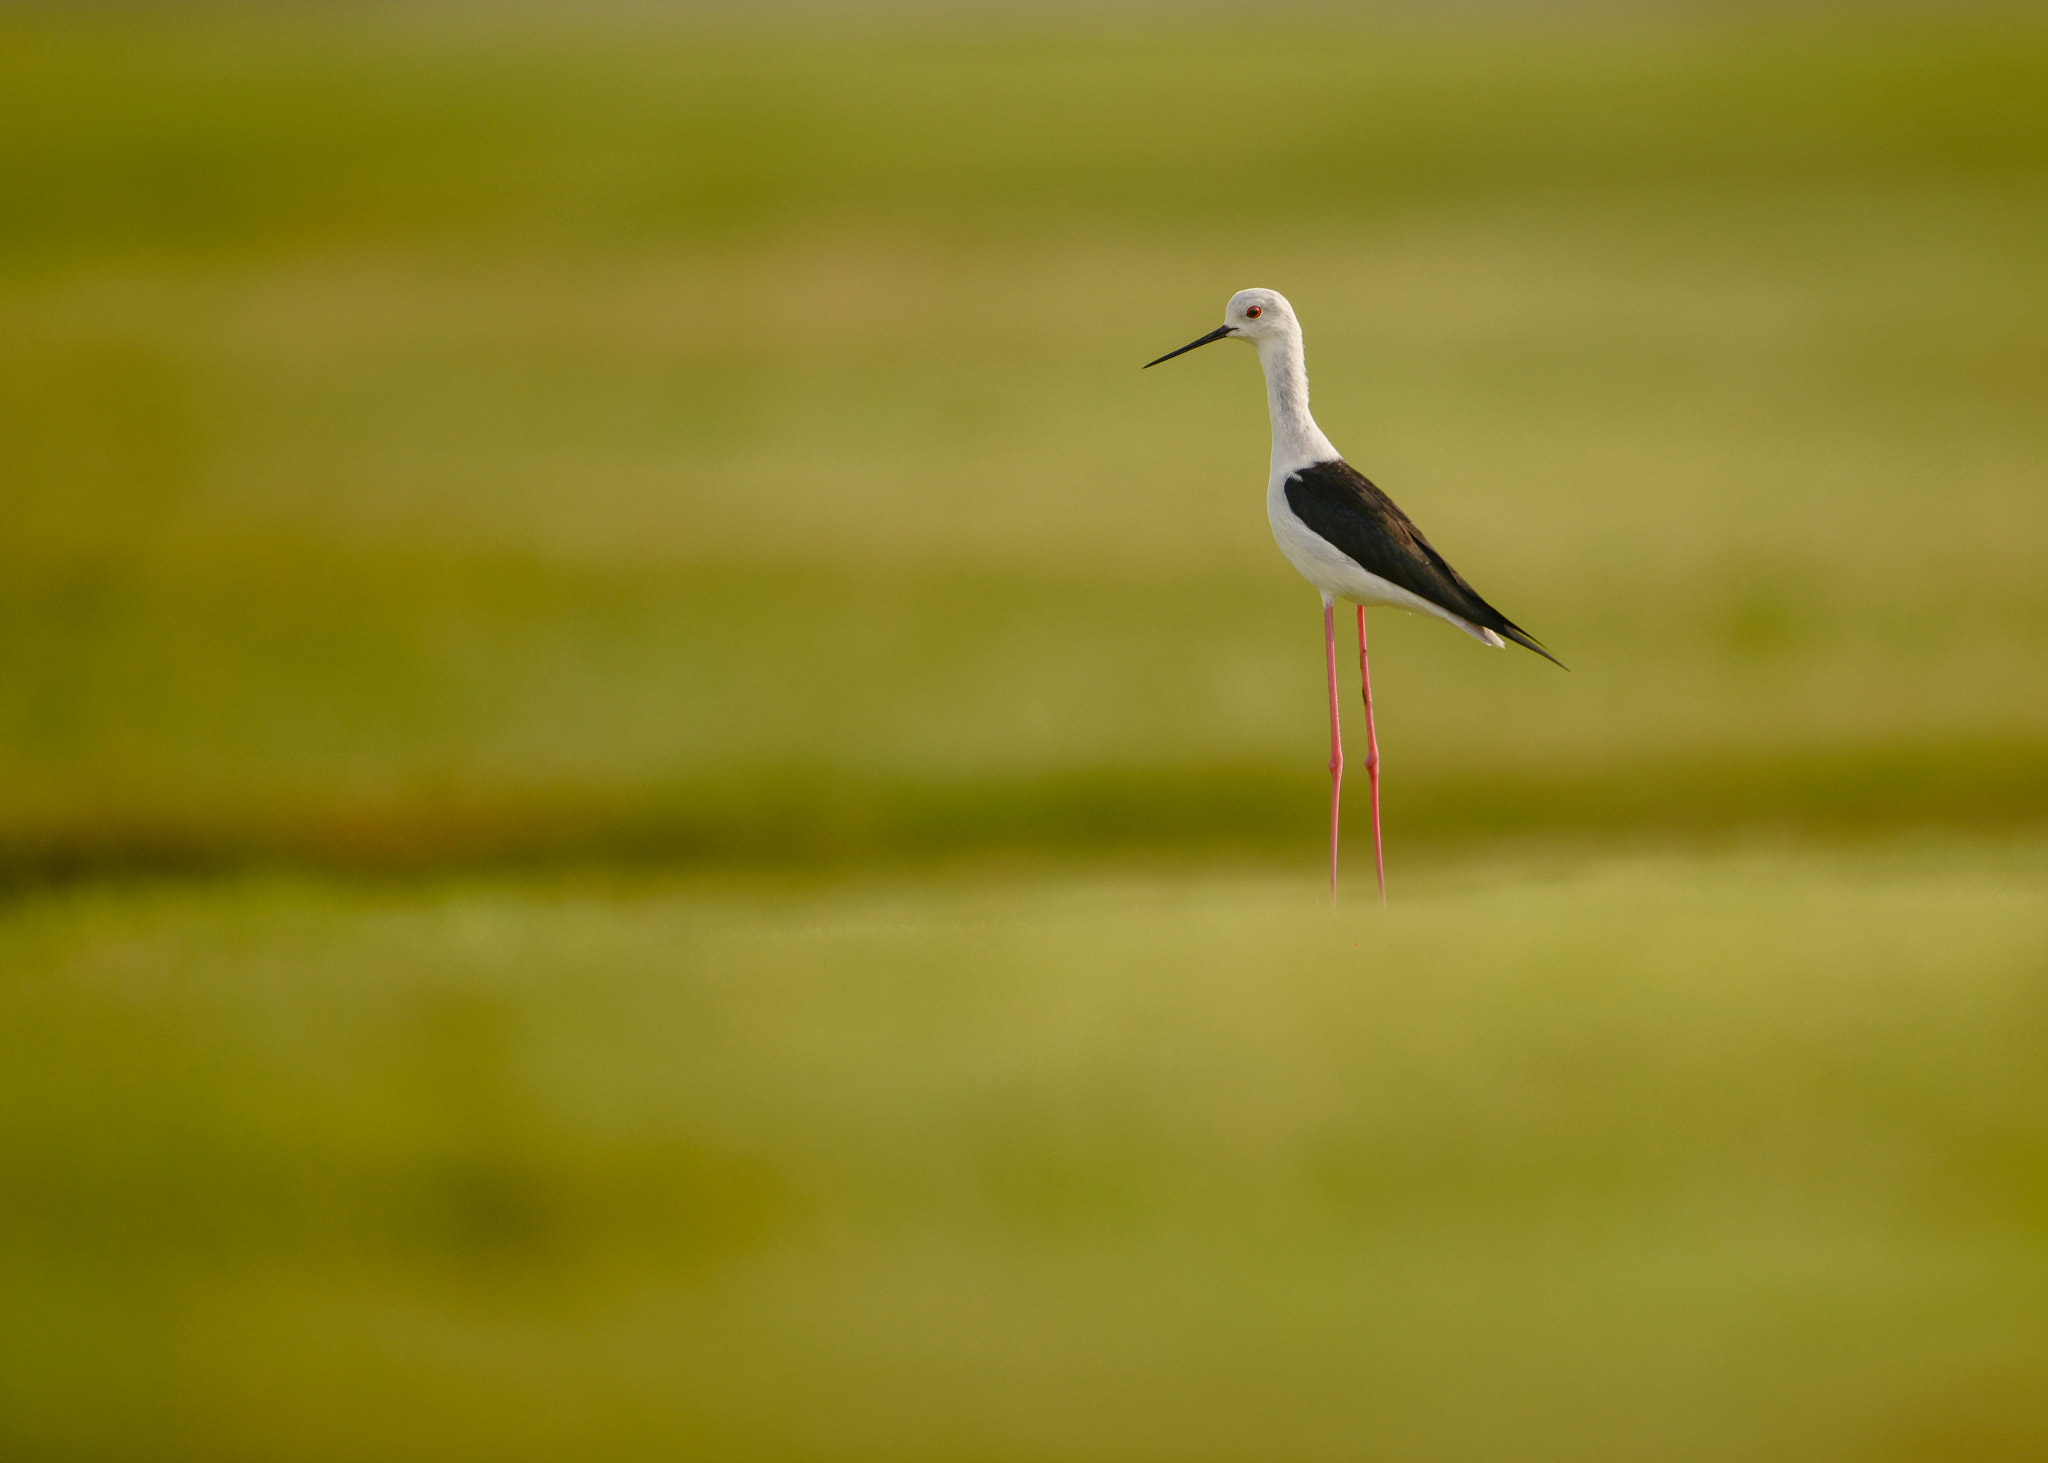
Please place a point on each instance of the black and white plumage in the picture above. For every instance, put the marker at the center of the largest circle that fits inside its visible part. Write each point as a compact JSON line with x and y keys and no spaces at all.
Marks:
{"x":1346,"y":537}
{"x":1332,"y":510}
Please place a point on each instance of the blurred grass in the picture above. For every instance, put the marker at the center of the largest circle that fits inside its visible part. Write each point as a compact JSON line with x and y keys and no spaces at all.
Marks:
{"x":566,"y":491}
{"x":1705,"y":1158}
{"x":435,"y":437}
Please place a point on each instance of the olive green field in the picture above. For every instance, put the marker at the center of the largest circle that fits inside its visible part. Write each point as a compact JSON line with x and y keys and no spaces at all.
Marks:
{"x":654,"y":805}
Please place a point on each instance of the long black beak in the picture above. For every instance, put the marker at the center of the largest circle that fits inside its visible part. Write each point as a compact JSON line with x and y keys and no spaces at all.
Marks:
{"x":1217,"y":334}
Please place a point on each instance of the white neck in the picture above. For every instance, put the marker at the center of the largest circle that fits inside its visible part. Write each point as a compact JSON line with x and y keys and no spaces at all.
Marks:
{"x":1297,"y":440}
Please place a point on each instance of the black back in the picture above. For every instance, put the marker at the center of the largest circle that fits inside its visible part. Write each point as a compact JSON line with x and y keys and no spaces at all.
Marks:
{"x":1340,"y":504}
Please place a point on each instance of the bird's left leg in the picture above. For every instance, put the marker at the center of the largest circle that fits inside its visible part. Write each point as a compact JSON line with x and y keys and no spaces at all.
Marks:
{"x":1372,"y":756}
{"x":1336,"y":734}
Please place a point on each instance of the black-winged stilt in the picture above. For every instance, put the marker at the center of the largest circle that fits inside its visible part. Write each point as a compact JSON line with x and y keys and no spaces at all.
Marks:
{"x":1345,"y":536}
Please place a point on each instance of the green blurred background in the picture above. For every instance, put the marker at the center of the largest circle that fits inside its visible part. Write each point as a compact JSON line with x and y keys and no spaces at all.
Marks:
{"x":652,"y":804}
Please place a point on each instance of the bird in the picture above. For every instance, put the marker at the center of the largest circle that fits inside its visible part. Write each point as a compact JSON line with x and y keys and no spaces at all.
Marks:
{"x":1345,"y":536}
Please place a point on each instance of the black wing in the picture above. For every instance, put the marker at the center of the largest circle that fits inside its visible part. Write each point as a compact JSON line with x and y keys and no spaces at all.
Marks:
{"x":1341,"y":504}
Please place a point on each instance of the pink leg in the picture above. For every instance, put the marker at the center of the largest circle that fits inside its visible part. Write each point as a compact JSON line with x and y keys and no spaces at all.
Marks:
{"x":1336,"y":736}
{"x":1372,"y":755}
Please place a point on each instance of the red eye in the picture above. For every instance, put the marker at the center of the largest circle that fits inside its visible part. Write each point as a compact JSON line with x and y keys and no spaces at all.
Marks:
{"x":1253,"y":312}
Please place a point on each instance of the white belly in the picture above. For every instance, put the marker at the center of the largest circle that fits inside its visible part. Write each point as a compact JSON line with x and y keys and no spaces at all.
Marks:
{"x":1336,"y":574}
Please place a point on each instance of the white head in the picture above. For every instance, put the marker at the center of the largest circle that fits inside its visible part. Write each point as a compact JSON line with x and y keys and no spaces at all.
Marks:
{"x":1261,"y":317}
{"x":1264,"y":318}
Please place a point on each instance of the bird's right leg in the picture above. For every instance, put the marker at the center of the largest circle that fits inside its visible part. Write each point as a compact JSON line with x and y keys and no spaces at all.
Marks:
{"x":1372,"y":758}
{"x":1336,"y":734}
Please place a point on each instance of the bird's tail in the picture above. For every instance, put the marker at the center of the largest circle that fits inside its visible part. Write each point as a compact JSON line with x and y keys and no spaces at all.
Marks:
{"x":1527,"y":641}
